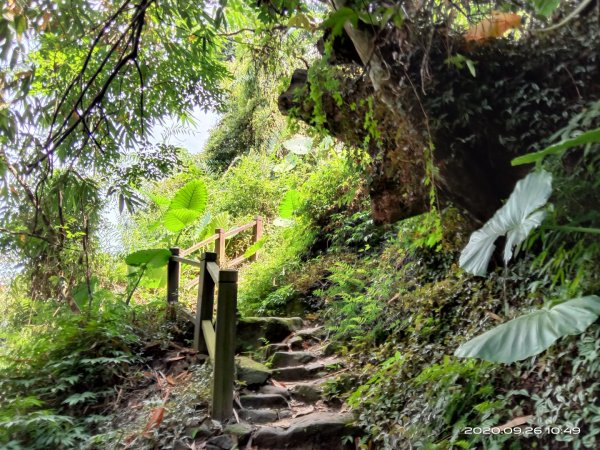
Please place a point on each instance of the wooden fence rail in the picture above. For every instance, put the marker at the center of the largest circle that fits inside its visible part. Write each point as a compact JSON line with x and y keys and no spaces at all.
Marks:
{"x":217,"y":337}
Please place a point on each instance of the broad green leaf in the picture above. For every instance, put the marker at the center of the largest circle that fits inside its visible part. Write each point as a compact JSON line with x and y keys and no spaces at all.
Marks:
{"x":158,"y":200}
{"x":519,"y":215}
{"x":176,"y":220}
{"x":533,"y":333}
{"x":254,"y":248}
{"x":192,"y":196}
{"x":154,"y":278}
{"x":299,"y":145}
{"x":545,"y":7}
{"x":338,"y":19}
{"x":289,"y":204}
{"x":152,"y":258}
{"x":585,"y":138}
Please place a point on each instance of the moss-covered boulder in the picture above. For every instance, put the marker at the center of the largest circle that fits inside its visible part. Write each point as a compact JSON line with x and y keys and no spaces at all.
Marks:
{"x":253,"y":332}
{"x":250,"y":371}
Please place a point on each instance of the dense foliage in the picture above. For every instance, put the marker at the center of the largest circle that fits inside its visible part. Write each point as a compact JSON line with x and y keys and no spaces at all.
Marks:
{"x":384,"y":195}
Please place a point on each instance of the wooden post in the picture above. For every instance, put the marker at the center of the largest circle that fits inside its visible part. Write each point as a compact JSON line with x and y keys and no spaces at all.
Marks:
{"x":220,"y":246}
{"x":258,"y":232}
{"x":222,"y":406}
{"x":204,"y":306}
{"x":173,"y":271}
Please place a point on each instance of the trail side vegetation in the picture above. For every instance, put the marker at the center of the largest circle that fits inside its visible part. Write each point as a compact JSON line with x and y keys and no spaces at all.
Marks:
{"x":428,"y":174}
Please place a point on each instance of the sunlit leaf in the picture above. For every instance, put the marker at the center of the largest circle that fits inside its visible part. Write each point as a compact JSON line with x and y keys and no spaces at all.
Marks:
{"x":584,"y":138}
{"x":533,"y":333}
{"x":299,"y":145}
{"x":192,"y":196}
{"x":176,"y":220}
{"x":156,"y":257}
{"x":254,"y":248}
{"x":519,"y":215}
{"x":290,"y":203}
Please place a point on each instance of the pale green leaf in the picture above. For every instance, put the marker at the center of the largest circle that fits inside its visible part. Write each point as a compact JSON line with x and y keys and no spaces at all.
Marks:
{"x":176,"y":220}
{"x":584,"y":138}
{"x":545,"y":7}
{"x":533,"y":333}
{"x":299,"y":145}
{"x":254,"y":248}
{"x":193,"y":196}
{"x":156,"y":257}
{"x":519,"y":215}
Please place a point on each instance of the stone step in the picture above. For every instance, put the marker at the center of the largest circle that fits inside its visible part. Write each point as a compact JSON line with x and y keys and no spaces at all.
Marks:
{"x":251,"y":372}
{"x":296,"y":342}
{"x":253,"y":332}
{"x":292,"y":373}
{"x":313,"y":333}
{"x":291,"y":359}
{"x":258,"y":415}
{"x":270,"y":389}
{"x":261,"y":401}
{"x":271,"y":349}
{"x":307,"y":371}
{"x":311,"y":432}
{"x":307,"y":392}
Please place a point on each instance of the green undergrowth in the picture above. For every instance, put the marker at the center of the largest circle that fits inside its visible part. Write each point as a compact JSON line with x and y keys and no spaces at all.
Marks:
{"x":397,"y":306}
{"x":60,"y":371}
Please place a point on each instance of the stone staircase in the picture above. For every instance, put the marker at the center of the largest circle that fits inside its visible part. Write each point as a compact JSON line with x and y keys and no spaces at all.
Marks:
{"x":280,"y":405}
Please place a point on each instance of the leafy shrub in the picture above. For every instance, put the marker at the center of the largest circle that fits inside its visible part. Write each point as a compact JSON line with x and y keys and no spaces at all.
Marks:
{"x":55,"y":369}
{"x":282,"y":254}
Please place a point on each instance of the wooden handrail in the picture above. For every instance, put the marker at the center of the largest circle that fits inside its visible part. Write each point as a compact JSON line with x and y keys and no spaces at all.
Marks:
{"x":190,"y":262}
{"x":241,"y":228}
{"x":218,"y":340}
{"x":213,"y":271}
{"x":199,"y":245}
{"x":219,"y":239}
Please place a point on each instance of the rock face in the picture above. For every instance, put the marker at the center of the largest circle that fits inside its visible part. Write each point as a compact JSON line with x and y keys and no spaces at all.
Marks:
{"x":443,"y":123}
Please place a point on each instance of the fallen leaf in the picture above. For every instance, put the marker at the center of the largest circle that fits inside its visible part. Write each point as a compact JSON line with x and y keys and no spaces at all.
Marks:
{"x":156,"y":417}
{"x":515,"y":422}
{"x":175,"y":358}
{"x":170,"y":380}
{"x":278,"y":384}
{"x":303,"y":411}
{"x":496,"y":317}
{"x":182,"y":375}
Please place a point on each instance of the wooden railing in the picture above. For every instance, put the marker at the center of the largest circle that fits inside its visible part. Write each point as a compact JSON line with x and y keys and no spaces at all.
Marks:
{"x":219,"y":238}
{"x":216,"y":338}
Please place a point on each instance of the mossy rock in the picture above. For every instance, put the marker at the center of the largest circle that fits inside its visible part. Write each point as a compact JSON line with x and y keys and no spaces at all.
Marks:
{"x":254,"y":332}
{"x":250,"y":371}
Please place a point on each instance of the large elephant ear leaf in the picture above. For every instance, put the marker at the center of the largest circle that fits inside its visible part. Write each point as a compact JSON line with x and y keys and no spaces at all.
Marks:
{"x":290,"y":203}
{"x":533,"y":333}
{"x":151,"y":258}
{"x":176,"y":220}
{"x":186,"y":207}
{"x":299,"y":145}
{"x":519,"y":215}
{"x":192,"y":196}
